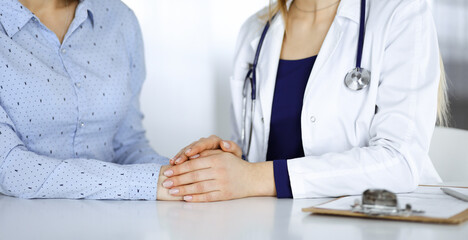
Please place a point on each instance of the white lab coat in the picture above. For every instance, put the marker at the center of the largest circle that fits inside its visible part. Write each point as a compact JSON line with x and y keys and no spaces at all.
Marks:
{"x":353,"y":140}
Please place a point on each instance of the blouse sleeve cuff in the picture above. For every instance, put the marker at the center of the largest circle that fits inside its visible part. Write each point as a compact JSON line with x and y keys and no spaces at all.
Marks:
{"x":143,"y":181}
{"x":282,"y":182}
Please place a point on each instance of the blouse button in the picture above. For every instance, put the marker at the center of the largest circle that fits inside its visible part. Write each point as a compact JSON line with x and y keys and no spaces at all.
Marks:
{"x":78,"y":85}
{"x":64,"y":50}
{"x":82,"y":124}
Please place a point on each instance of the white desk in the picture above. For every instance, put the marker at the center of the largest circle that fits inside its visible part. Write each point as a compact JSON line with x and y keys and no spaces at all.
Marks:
{"x":252,"y":218}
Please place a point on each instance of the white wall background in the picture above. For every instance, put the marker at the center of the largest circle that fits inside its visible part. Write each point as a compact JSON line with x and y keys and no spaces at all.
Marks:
{"x":189,"y":49}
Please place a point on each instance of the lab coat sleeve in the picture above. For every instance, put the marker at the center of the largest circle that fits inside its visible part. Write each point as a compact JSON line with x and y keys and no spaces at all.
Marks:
{"x":400,"y":131}
{"x":235,"y":126}
{"x":244,"y":55}
{"x":237,"y":81}
{"x":130,"y":143}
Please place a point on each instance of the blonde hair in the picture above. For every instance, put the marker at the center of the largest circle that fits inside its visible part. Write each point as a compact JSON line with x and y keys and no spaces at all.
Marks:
{"x":443,"y":108}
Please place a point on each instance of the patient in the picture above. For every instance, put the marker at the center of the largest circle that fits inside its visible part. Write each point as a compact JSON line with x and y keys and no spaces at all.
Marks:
{"x":71,"y":73}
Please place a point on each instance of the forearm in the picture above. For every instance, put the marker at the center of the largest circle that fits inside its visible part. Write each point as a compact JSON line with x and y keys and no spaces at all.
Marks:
{"x":353,"y":171}
{"x":138,"y":153}
{"x":29,"y":175}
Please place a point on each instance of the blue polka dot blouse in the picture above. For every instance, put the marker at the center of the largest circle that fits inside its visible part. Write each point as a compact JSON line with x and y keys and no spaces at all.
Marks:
{"x":70,"y":122}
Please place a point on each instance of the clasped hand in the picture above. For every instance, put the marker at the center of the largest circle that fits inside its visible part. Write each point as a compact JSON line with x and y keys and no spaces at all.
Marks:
{"x":211,"y":169}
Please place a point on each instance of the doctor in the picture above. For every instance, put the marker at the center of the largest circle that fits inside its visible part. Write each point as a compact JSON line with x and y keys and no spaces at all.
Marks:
{"x":315,"y":132}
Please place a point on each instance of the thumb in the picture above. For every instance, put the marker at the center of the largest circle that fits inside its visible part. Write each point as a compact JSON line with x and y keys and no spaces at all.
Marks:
{"x":231,"y":147}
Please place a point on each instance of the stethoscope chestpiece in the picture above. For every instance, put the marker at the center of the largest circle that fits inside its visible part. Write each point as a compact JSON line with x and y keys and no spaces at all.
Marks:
{"x":357,"y":79}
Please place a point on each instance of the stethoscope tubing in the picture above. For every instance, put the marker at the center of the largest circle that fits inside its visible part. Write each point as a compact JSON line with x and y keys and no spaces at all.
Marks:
{"x":252,"y":76}
{"x":257,"y":56}
{"x":362,"y":22}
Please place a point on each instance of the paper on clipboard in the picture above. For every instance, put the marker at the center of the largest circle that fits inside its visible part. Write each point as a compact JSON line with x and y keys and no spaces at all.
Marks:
{"x":438,"y":207}
{"x":431,"y":200}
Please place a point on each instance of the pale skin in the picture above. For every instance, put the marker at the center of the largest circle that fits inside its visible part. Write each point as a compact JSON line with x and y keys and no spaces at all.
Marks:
{"x":57,"y":15}
{"x":216,"y":171}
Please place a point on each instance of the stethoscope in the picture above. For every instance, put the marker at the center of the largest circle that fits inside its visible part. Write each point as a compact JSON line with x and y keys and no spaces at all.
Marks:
{"x":356,"y":79}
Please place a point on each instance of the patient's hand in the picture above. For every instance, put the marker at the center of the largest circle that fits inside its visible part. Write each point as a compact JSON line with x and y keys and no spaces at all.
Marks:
{"x":213,"y":142}
{"x":163,"y":193}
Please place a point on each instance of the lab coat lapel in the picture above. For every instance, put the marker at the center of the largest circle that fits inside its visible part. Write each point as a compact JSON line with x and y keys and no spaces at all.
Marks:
{"x":267,"y":70}
{"x":333,"y":38}
{"x":347,"y":11}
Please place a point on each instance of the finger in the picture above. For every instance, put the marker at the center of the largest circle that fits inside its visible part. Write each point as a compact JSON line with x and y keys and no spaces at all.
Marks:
{"x":203,"y":144}
{"x":181,"y":157}
{"x":176,"y":157}
{"x":189,"y":178}
{"x":208,"y":153}
{"x":195,"y":188}
{"x":232,"y":147}
{"x":187,"y":152}
{"x":188,"y":166}
{"x":205,"y":197}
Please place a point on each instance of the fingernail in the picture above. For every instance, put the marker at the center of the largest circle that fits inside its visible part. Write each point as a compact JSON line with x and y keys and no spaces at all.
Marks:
{"x":188,"y":151}
{"x":226,"y":144}
{"x":195,"y":156}
{"x":188,"y":198}
{"x":167,"y":184}
{"x":168,"y":173}
{"x":173,"y":191}
{"x":178,"y":160}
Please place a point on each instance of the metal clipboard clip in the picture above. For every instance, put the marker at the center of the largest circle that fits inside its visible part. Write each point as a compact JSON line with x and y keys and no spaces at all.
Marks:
{"x":380,"y":202}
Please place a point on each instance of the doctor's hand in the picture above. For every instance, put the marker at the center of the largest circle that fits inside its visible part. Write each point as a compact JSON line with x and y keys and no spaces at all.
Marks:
{"x":218,"y":175}
{"x":213,"y":142}
{"x":163,"y":193}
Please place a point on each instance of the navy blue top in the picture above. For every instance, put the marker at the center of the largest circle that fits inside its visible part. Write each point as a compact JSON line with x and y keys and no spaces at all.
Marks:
{"x":285,"y":141}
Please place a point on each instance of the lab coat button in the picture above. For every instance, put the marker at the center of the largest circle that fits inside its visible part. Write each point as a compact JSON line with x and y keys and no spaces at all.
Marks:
{"x":313,"y":119}
{"x":78,"y":85}
{"x":64,"y":50}
{"x":82,"y":124}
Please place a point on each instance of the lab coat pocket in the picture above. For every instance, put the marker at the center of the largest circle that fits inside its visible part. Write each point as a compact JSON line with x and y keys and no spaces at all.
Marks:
{"x":340,"y":116}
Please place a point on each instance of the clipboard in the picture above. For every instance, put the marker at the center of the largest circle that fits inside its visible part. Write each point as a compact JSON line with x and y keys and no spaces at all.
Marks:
{"x":457,"y":218}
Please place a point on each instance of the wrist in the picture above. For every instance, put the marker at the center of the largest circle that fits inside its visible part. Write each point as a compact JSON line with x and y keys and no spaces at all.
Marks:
{"x":261,"y":180}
